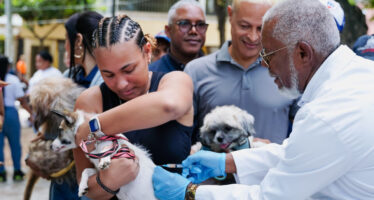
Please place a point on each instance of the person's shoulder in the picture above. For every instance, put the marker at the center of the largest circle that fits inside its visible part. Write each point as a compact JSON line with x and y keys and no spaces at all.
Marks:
{"x":155,"y":66}
{"x":56,"y":71}
{"x":203,"y":61}
{"x":10,"y":78}
{"x":200,"y":64}
{"x":92,"y":92}
{"x":178,"y":75}
{"x":90,"y":99}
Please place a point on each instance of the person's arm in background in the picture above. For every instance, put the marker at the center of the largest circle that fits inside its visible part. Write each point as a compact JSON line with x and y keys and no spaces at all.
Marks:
{"x":2,"y":84}
{"x":25,"y":105}
{"x":171,"y":101}
{"x":120,"y":171}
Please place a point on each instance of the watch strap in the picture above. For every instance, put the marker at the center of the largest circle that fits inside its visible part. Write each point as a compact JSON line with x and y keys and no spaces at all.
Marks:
{"x":191,"y":191}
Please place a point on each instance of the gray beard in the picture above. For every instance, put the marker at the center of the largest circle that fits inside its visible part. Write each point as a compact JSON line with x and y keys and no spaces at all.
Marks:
{"x":292,"y":92}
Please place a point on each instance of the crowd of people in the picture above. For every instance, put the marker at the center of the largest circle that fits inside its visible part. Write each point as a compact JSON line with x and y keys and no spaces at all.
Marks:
{"x":311,"y":98}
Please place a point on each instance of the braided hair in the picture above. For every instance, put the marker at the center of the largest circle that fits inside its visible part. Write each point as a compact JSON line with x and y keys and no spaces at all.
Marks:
{"x":118,"y":29}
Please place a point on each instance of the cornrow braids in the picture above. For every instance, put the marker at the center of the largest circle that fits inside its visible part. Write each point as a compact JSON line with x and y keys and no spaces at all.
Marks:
{"x":114,"y":34}
{"x":119,"y":29}
{"x":131,"y":29}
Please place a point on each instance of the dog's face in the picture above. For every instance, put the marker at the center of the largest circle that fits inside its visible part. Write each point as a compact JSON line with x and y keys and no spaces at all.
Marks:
{"x":68,"y":127}
{"x":225,"y":128}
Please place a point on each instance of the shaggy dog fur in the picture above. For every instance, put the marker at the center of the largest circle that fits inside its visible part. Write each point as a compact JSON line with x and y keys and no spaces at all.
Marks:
{"x":45,"y":95}
{"x":226,"y":128}
{"x":139,"y":189}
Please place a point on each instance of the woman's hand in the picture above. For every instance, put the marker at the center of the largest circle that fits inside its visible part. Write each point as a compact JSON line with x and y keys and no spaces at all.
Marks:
{"x":120,"y":172}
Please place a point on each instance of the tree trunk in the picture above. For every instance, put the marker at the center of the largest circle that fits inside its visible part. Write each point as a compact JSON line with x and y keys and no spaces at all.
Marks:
{"x":355,"y":23}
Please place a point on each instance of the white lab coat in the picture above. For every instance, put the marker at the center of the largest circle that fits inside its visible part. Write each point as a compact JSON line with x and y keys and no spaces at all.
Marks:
{"x":330,"y":152}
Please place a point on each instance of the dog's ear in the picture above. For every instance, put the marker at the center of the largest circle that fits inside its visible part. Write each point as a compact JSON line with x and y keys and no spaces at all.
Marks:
{"x":248,"y":121}
{"x":69,"y":120}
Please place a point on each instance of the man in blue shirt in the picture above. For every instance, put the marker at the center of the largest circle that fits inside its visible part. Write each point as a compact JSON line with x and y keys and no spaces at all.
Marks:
{"x":234,"y":76}
{"x":186,"y":29}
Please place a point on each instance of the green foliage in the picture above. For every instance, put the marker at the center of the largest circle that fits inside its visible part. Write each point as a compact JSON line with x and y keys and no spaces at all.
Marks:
{"x":367,"y":3}
{"x":352,"y":2}
{"x":35,"y":10}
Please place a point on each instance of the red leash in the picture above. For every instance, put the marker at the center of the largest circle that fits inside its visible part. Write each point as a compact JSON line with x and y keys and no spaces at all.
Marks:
{"x":123,"y":152}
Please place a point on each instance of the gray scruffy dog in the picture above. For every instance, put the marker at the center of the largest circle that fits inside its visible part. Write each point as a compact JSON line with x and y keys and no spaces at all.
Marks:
{"x":227,"y":128}
{"x":44,"y":97}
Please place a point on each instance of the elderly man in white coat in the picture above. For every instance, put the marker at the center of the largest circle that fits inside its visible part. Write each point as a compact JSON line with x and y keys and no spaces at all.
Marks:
{"x":330,"y":152}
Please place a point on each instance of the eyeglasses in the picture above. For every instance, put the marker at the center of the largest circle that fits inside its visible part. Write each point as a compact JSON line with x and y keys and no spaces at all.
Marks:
{"x":186,"y":25}
{"x":266,"y":56}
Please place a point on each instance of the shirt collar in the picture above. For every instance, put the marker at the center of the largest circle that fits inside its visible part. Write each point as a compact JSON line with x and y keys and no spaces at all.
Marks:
{"x":86,"y":81}
{"x":336,"y":60}
{"x":178,"y":65}
{"x":223,"y":55}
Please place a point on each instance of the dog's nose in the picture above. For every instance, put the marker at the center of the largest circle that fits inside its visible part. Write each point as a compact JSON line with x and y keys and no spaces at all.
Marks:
{"x":219,"y":139}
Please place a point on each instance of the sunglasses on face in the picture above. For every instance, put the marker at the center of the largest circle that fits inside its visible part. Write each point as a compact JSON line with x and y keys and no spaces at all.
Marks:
{"x":186,"y":25}
{"x":266,"y":57}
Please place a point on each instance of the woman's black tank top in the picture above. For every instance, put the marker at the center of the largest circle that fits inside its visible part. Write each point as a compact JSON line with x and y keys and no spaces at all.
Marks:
{"x":167,"y":143}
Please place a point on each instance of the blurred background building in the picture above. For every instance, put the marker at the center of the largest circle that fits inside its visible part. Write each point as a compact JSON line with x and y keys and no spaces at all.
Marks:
{"x":39,"y":24}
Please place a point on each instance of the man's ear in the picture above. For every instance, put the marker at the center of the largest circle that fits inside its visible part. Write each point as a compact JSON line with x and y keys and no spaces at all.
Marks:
{"x":229,"y":11}
{"x":167,"y":30}
{"x":304,"y":52}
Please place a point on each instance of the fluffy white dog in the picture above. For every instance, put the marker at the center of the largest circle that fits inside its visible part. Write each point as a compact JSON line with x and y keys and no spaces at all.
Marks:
{"x":228,"y":128}
{"x":139,"y":189}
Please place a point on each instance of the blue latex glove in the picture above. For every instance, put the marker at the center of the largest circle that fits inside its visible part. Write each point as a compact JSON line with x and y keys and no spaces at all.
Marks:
{"x":169,"y":185}
{"x":203,"y":165}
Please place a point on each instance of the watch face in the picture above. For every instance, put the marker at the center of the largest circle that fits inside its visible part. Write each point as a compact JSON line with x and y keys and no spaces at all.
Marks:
{"x":94,"y":125}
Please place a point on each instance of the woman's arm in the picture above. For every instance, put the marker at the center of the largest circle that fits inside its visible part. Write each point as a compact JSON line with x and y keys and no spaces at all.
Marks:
{"x":171,"y":101}
{"x":115,"y":176}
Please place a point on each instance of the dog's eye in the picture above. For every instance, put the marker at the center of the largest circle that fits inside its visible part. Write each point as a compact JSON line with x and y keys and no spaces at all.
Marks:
{"x":227,"y":128}
{"x":64,"y":141}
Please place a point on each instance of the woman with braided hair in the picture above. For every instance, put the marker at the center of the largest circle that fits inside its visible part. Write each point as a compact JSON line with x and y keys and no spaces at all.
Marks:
{"x":150,"y":108}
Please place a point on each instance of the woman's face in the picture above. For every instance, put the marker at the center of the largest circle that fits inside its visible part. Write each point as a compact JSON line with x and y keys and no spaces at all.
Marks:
{"x":124,"y":68}
{"x":40,"y":63}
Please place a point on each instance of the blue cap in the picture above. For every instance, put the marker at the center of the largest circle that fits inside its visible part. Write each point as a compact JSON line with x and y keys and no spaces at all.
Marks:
{"x":162,"y":35}
{"x":337,"y":12}
{"x":364,"y":46}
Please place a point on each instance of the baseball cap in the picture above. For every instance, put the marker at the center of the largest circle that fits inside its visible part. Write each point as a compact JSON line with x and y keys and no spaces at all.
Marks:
{"x":364,"y":46}
{"x":162,"y":35}
{"x":337,"y":12}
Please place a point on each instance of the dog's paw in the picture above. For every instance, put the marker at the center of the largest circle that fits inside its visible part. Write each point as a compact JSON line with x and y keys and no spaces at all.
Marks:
{"x":83,"y":185}
{"x":104,"y":163}
{"x":82,"y":190}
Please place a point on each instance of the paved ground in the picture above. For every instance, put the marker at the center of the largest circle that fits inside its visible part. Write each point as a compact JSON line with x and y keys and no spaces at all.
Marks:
{"x":14,"y":190}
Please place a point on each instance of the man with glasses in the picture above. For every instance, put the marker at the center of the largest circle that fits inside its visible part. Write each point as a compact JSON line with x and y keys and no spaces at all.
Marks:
{"x":234,"y":76}
{"x":329,"y":154}
{"x":186,"y":29}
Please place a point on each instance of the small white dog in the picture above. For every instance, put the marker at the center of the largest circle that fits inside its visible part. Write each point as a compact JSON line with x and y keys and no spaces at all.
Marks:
{"x":139,"y":189}
{"x":227,"y":128}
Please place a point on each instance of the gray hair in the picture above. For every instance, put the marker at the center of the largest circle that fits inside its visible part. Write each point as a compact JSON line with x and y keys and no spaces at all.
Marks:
{"x":304,"y":20}
{"x":173,"y":9}
{"x":235,"y":3}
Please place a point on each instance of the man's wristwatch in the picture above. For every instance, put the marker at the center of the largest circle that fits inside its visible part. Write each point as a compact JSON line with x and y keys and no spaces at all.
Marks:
{"x":94,"y":125}
{"x":191,"y":191}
